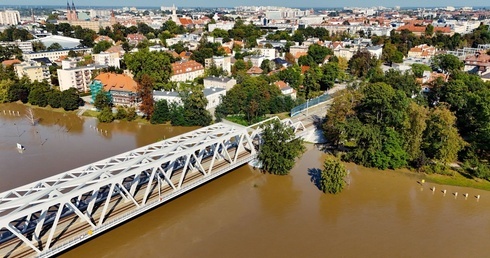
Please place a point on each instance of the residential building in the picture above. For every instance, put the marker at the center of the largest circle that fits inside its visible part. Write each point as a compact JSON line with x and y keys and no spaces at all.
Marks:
{"x":24,"y":46}
{"x":286,"y":90}
{"x":55,"y":55}
{"x":213,"y":96}
{"x":219,"y":82}
{"x":186,"y":71}
{"x":103,"y":38}
{"x":428,"y":77}
{"x":9,"y":17}
{"x":254,"y":71}
{"x":256,"y":60}
{"x":224,"y":62}
{"x":135,"y":38}
{"x":169,"y":96}
{"x":35,"y":71}
{"x":344,"y":52}
{"x":375,"y":51}
{"x":122,"y":89}
{"x":267,"y":53}
{"x":295,"y":50}
{"x":224,"y":25}
{"x":6,"y":63}
{"x":71,"y":76}
{"x":108,"y":59}
{"x":478,"y":63}
{"x":422,"y":51}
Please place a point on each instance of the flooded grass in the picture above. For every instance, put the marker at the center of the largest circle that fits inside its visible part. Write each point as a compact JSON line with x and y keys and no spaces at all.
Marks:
{"x":459,"y":180}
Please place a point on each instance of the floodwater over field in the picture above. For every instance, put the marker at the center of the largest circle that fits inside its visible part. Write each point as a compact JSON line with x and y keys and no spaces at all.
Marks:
{"x":248,"y":214}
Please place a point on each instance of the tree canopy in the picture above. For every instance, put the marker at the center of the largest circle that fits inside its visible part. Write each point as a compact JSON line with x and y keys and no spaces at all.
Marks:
{"x":279,"y":148}
{"x":156,"y":65}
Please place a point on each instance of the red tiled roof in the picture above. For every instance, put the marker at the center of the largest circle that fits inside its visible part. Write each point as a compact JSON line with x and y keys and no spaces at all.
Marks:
{"x":117,"y":82}
{"x":186,"y":67}
{"x":254,"y":70}
{"x":10,"y":62}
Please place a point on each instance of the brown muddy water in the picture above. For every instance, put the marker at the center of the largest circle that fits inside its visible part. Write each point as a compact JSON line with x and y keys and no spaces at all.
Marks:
{"x":248,"y":214}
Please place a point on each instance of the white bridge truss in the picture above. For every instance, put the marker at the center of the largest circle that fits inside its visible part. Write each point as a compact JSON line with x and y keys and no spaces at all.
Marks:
{"x":51,"y":215}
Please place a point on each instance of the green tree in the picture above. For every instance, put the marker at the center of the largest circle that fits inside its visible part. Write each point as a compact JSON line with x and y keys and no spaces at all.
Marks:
{"x":4,"y":90}
{"x":105,"y":116}
{"x":414,"y":128}
{"x":161,"y":113}
{"x":418,"y":69}
{"x":267,"y":66}
{"x":156,"y":65}
{"x":332,"y":178}
{"x":101,"y":46}
{"x":441,"y":140}
{"x":447,"y":62}
{"x":70,"y":99}
{"x":38,"y":46}
{"x":54,"y":98}
{"x":279,"y":148}
{"x":318,"y":53}
{"x":55,"y":46}
{"x":121,"y":113}
{"x":330,"y":73}
{"x":429,"y":30}
{"x":361,"y":63}
{"x":102,"y":100}
{"x":131,"y":114}
{"x":38,"y":94}
{"x":20,"y":90}
{"x":195,"y":108}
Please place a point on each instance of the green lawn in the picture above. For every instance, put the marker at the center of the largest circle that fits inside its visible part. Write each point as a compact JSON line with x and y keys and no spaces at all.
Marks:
{"x":459,"y":180}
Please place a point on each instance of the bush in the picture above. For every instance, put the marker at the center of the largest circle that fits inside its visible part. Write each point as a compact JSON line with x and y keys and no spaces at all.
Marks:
{"x":121,"y":113}
{"x":131,"y":114}
{"x":106,"y":115}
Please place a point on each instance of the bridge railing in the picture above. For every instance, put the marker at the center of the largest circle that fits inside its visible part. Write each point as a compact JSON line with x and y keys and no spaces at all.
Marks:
{"x":309,"y":103}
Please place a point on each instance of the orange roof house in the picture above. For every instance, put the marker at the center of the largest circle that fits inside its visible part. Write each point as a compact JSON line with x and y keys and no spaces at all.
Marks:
{"x":6,"y":63}
{"x":254,"y":71}
{"x":122,"y":88}
{"x":186,"y":71}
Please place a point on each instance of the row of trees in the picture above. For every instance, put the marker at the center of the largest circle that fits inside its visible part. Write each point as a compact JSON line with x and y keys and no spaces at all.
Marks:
{"x":38,"y":93}
{"x":387,"y":128}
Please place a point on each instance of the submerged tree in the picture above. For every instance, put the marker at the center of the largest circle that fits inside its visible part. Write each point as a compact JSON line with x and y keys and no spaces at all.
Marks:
{"x":332,"y":176}
{"x":279,"y":148}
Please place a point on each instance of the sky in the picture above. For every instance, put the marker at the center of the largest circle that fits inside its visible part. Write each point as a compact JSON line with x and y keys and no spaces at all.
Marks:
{"x":288,"y":3}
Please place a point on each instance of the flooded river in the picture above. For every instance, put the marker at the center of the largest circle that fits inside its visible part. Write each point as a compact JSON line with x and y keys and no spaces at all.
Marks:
{"x":248,"y":214}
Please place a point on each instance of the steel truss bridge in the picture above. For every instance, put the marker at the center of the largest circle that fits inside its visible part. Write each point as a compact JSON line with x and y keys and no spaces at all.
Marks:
{"x":51,"y":215}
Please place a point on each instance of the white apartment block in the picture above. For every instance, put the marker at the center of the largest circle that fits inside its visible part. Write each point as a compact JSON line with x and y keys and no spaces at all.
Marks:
{"x":107,"y":59}
{"x":226,"y":25}
{"x":268,"y":53}
{"x":219,"y":82}
{"x":71,"y":76}
{"x":213,"y":95}
{"x":24,"y":46}
{"x":224,"y":62}
{"x":35,"y":71}
{"x":256,"y":60}
{"x":55,"y":55}
{"x":9,"y":17}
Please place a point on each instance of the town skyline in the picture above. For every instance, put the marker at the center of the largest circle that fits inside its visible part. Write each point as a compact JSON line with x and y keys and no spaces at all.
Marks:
{"x":216,"y":3}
